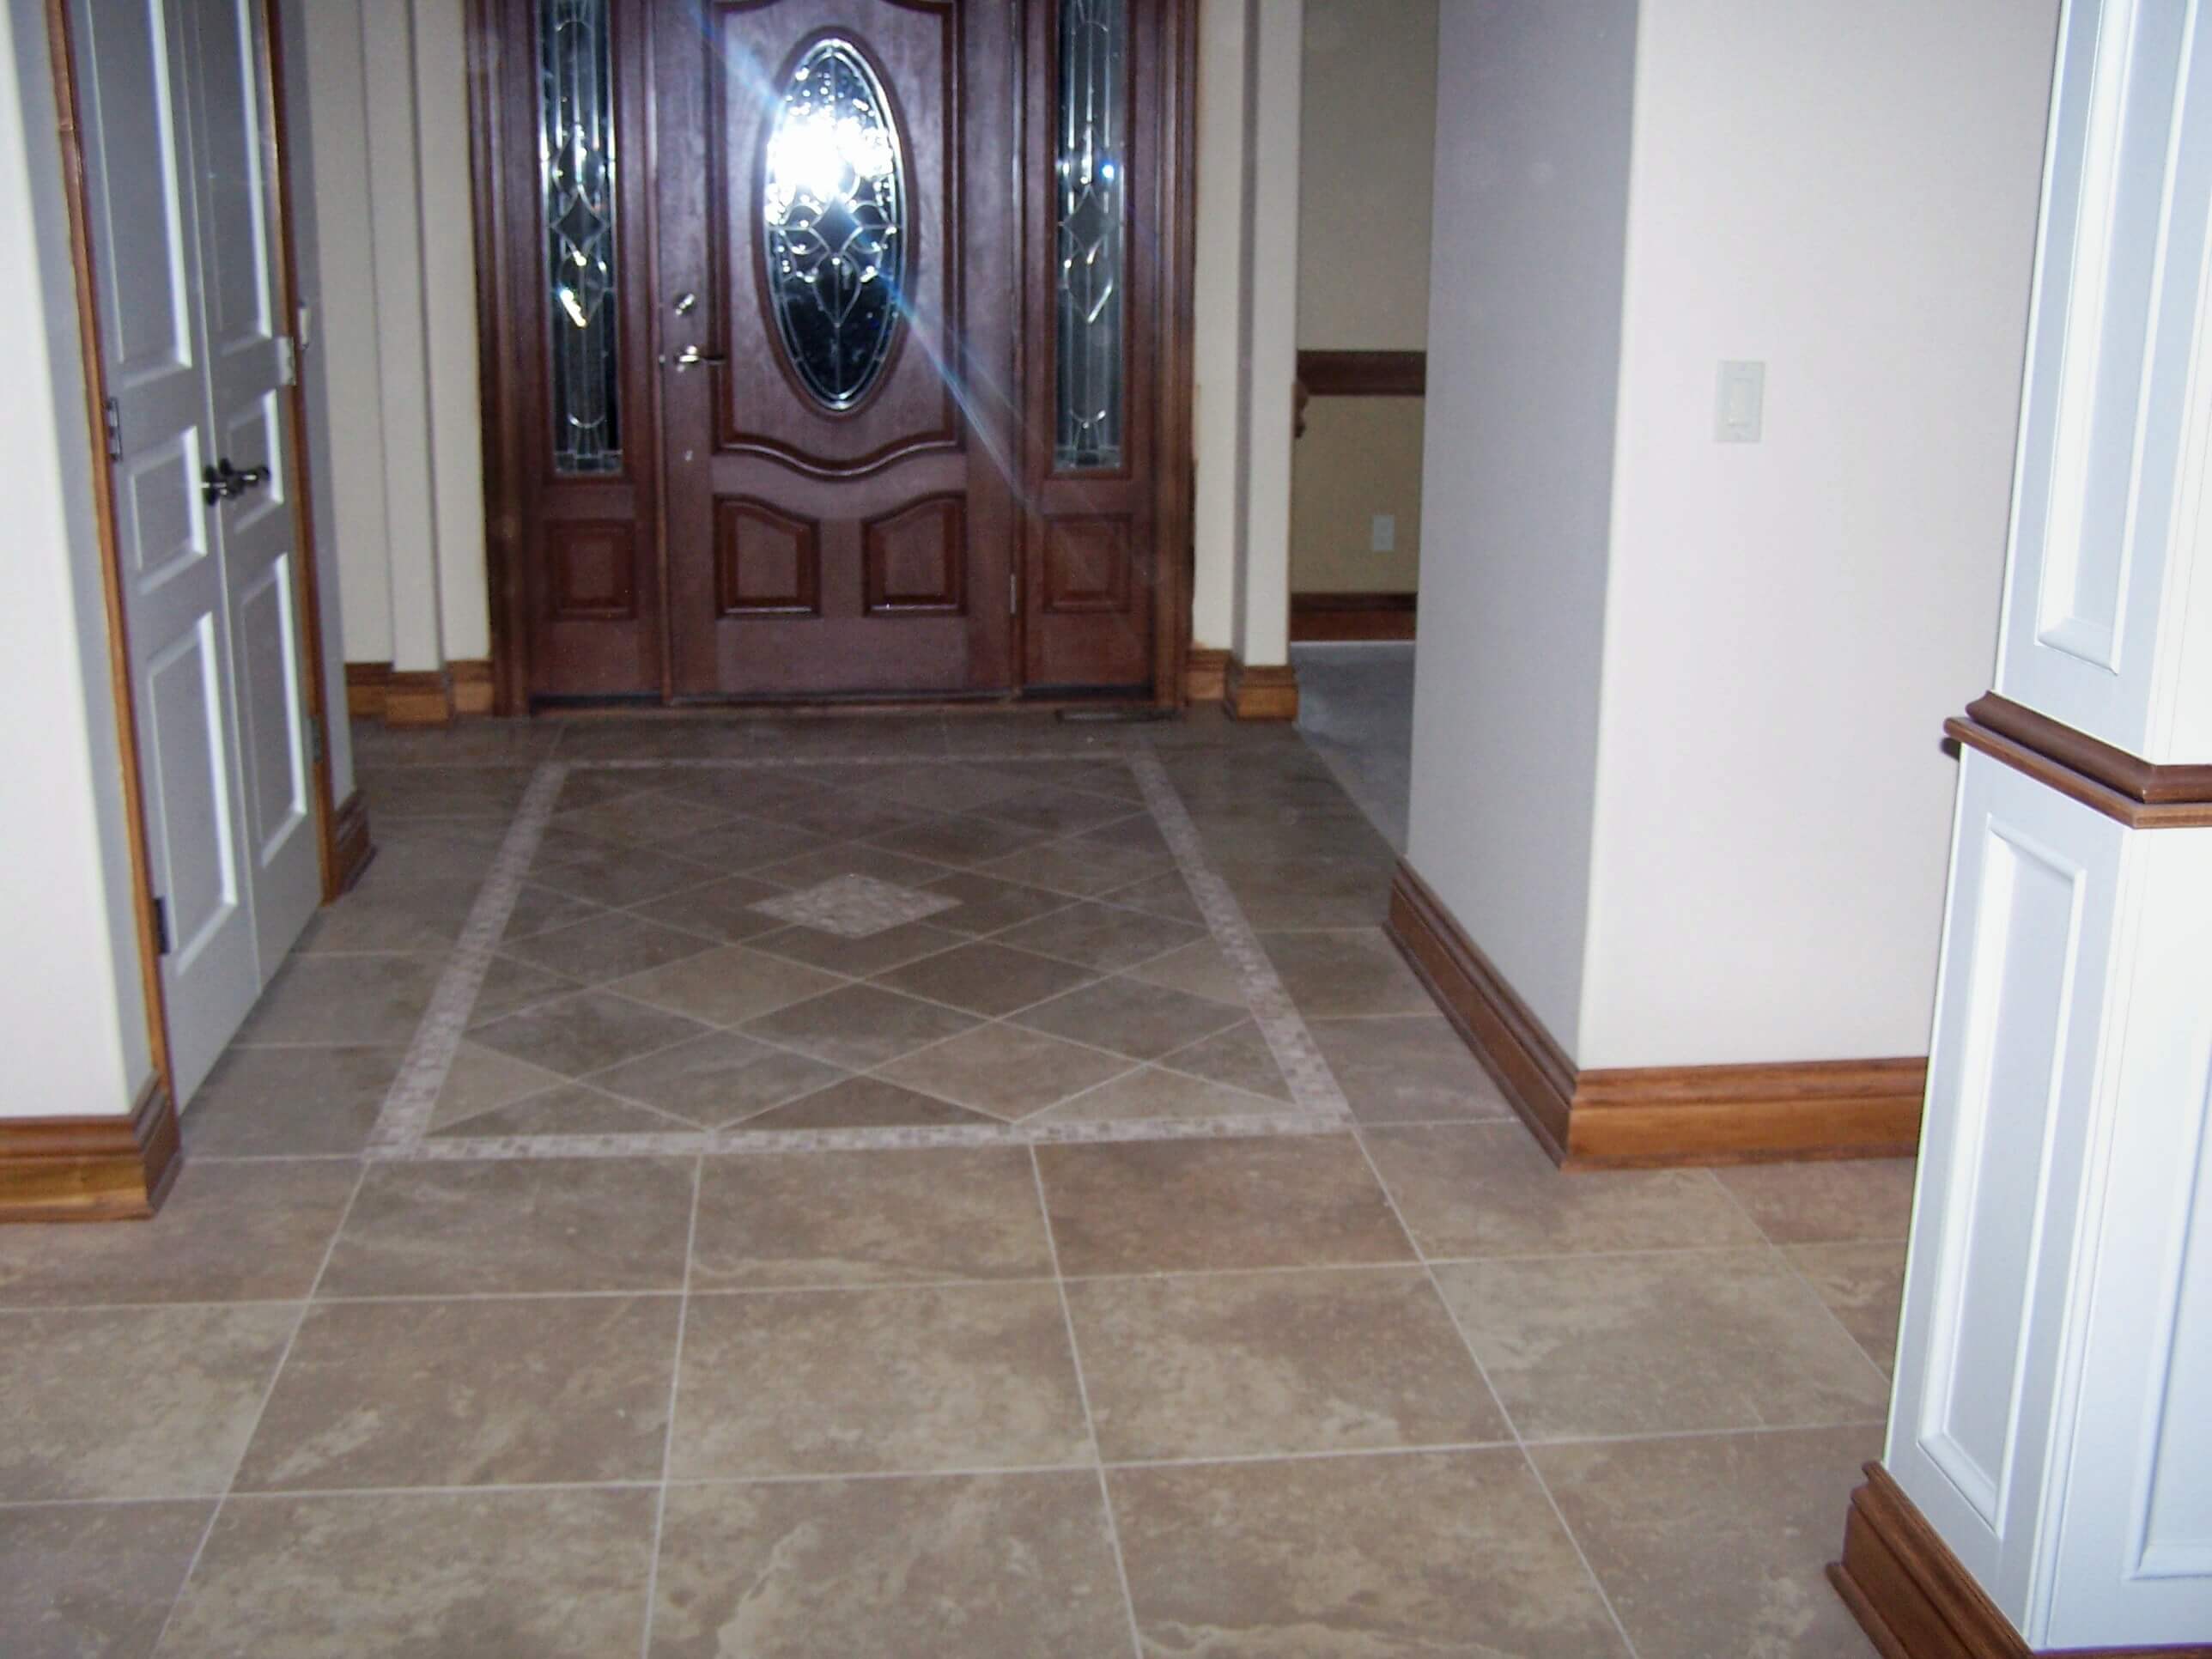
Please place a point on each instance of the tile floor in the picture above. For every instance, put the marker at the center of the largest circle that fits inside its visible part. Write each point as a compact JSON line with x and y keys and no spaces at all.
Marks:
{"x":974,"y":1349}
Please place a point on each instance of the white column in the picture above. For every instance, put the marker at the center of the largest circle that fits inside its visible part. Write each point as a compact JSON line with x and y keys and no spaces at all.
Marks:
{"x":2052,"y":1419}
{"x":1216,"y":305}
{"x":402,"y":344}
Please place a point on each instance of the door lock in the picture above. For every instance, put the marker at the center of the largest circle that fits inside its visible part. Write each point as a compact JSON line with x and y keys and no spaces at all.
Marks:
{"x":222,"y":481}
{"x":689,"y":358}
{"x":683,"y":303}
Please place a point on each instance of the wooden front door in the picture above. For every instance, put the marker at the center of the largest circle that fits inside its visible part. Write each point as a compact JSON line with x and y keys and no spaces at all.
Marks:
{"x":837,"y":247}
{"x":833,"y":348}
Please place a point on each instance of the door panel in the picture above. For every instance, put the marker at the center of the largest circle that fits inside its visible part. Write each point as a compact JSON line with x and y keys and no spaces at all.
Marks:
{"x":196,"y":850}
{"x":815,"y":549}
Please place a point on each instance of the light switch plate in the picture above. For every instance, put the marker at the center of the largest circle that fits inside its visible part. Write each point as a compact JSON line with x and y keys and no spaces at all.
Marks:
{"x":1385,"y":538}
{"x":1741,"y":412}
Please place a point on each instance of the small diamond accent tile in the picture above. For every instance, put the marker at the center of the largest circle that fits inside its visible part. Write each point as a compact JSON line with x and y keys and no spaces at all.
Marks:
{"x":855,"y":907}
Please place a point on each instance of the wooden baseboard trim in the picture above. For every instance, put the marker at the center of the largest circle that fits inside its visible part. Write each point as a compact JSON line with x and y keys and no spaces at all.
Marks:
{"x":1363,"y":373}
{"x":1339,"y":617}
{"x":1205,"y":674}
{"x":355,"y":849}
{"x":1268,"y":693}
{"x":464,"y":688}
{"x":1915,"y":1600}
{"x":90,"y":1168}
{"x":1655,"y":1116}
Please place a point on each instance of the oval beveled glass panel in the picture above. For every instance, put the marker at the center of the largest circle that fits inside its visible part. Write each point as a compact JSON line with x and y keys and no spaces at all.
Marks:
{"x":833,"y":230}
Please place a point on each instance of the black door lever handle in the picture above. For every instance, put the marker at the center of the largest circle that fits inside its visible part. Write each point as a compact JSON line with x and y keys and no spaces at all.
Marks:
{"x":222,"y":481}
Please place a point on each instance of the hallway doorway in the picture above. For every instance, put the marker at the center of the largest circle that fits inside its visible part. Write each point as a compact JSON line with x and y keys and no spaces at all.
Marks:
{"x":796,"y":389}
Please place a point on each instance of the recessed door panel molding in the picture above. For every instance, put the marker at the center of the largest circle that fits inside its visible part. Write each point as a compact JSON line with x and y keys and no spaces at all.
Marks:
{"x":1088,"y":568}
{"x":237,"y":261}
{"x":917,"y":559}
{"x":269,"y":666}
{"x":197,"y":848}
{"x":768,"y":563}
{"x":161,"y":513}
{"x":593,"y":570}
{"x":2114,"y":430}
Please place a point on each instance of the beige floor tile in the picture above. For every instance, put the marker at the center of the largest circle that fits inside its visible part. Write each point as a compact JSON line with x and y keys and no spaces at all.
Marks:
{"x":605,"y":947}
{"x":1138,"y":832}
{"x":437,"y":1575}
{"x":647,"y":817}
{"x":1130,"y":1017}
{"x":1355,"y":972}
{"x":1309,"y":892}
{"x":509,"y":986}
{"x":588,"y":1031}
{"x":1150,"y":1092}
{"x":1235,"y":1365}
{"x":1239,"y":1057}
{"x":1412,"y":1068}
{"x":718,"y":1079}
{"x":1164,"y":895}
{"x":422,"y":849}
{"x":1826,"y":1202}
{"x":265,"y":1102}
{"x":559,"y":1223}
{"x":1165,"y":1205}
{"x":1012,"y":1566}
{"x":1056,"y":810}
{"x":1488,"y":1190}
{"x":959,"y":843}
{"x":1863,"y":1285}
{"x":740,"y":848}
{"x":1004,"y":1070}
{"x":859,"y":1026}
{"x":951,"y":1377}
{"x":93,"y":1581}
{"x":567,"y":1108}
{"x":859,"y":957}
{"x":773,"y":1221}
{"x":118,"y":1402}
{"x":1718,"y":1543}
{"x":387,"y":914}
{"x":443,"y":792}
{"x":988,"y":905}
{"x":1620,"y":1345}
{"x":721,"y":910}
{"x":1078,"y":867}
{"x":866,"y":1103}
{"x":986,"y":978}
{"x":228,"y":1232}
{"x":1414,"y":1554}
{"x":1108,"y":937}
{"x":483,"y":1079}
{"x":615,"y":875}
{"x":480,"y":1392}
{"x":349,"y":1000}
{"x":727,"y":987}
{"x":849,"y":859}
{"x":537,"y":909}
{"x":1201,"y":968}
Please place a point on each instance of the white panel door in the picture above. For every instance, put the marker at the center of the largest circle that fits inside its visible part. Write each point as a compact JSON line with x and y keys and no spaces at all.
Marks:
{"x":170,"y":106}
{"x":249,"y":366}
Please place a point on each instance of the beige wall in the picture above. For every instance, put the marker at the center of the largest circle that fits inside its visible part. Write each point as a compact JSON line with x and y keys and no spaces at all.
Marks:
{"x":1366,"y":161}
{"x":1360,"y":456}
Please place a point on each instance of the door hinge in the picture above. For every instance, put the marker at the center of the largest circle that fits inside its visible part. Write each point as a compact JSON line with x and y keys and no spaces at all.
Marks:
{"x":288,"y":361}
{"x":113,"y":421}
{"x":161,"y":925}
{"x":1013,"y":592}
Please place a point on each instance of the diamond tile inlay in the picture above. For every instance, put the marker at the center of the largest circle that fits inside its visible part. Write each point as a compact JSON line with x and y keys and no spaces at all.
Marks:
{"x":855,"y":907}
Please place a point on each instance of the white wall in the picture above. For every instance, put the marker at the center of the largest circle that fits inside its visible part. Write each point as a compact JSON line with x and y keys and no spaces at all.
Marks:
{"x":1532,"y":184}
{"x":72,"y":1014}
{"x":1847,"y":191}
{"x":1217,"y":358}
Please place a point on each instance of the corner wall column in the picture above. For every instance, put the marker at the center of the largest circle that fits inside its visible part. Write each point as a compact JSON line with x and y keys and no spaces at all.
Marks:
{"x":2047,"y":1482}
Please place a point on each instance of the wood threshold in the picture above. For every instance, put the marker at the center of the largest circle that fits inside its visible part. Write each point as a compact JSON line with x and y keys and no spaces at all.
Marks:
{"x":1916,"y":1601}
{"x":1657,"y":1115}
{"x":90,"y":1168}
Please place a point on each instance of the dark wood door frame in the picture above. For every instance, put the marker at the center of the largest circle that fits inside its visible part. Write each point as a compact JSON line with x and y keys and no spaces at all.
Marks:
{"x":503,"y":340}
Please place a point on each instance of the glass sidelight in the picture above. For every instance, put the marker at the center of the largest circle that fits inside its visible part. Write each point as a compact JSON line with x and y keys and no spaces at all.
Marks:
{"x":576,"y":149}
{"x":1091,"y":163}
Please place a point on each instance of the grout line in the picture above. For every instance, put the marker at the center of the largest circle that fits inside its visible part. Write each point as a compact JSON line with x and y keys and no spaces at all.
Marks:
{"x":1089,"y":1419}
{"x":1505,"y":1412}
{"x":675,"y":1382}
{"x":1884,"y":1373}
{"x":269,"y":1393}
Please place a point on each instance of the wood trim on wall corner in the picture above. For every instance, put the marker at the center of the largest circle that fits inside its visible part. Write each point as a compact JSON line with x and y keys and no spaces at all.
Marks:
{"x":1268,"y":693}
{"x":2110,"y":781}
{"x":466,"y":688}
{"x":1648,"y":1116}
{"x":1363,"y":373}
{"x":1205,"y":674}
{"x":355,"y":848}
{"x":1914,"y":1599}
{"x":1337,"y":616}
{"x":90,"y":1168}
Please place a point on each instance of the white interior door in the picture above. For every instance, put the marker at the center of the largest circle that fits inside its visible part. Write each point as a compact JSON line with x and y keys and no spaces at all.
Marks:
{"x":168,"y":95}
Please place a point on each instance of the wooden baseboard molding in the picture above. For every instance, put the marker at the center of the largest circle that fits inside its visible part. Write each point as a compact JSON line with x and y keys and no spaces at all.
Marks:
{"x":1363,"y":373}
{"x":355,"y":849}
{"x":376,"y":691}
{"x":1205,"y":674}
{"x":1646,"y":1116}
{"x":1334,"y":616}
{"x":1262,"y":693}
{"x":90,"y":1168}
{"x":1915,"y":1600}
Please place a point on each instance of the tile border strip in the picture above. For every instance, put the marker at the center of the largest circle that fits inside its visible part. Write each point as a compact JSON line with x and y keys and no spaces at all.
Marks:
{"x":402,"y":1130}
